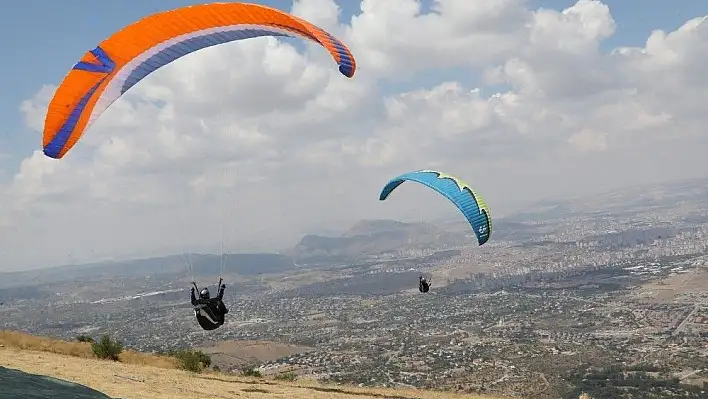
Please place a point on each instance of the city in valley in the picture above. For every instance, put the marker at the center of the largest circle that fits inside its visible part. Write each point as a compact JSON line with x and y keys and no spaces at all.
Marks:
{"x":606,"y":295}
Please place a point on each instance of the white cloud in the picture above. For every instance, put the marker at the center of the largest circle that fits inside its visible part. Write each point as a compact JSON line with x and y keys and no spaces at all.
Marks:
{"x":589,"y":140}
{"x":35,"y":108}
{"x":280,"y":143}
{"x":396,"y":39}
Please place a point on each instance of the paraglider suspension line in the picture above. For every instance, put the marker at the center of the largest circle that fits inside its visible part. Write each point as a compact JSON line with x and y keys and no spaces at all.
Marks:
{"x":186,"y":258}
{"x":224,"y":214}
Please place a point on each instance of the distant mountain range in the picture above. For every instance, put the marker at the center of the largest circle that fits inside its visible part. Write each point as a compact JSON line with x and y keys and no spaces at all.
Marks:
{"x":202,"y":265}
{"x":371,"y":237}
{"x":368,"y":237}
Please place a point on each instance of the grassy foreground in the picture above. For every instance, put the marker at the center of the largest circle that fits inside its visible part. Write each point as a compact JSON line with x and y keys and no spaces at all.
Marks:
{"x":142,"y":375}
{"x":146,"y":376}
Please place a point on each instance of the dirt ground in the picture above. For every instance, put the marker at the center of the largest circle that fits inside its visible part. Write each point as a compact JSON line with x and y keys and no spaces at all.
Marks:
{"x":670,"y":288}
{"x":235,"y":354}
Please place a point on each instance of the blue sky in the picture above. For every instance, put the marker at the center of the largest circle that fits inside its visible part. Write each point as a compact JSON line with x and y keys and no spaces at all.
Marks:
{"x":47,"y":37}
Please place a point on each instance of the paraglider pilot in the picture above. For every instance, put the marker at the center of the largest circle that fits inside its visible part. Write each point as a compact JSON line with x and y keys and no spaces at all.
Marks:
{"x":209,"y":311}
{"x":423,"y":284}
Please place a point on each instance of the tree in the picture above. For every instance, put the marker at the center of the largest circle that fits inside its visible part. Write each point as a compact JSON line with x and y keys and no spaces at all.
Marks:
{"x":251,"y":372}
{"x":192,"y":360}
{"x":84,"y":338}
{"x":107,"y":348}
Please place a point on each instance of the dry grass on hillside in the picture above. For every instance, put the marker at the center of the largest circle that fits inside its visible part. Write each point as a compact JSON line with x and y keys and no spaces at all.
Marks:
{"x":19,"y":340}
{"x":147,"y":376}
{"x":124,"y":381}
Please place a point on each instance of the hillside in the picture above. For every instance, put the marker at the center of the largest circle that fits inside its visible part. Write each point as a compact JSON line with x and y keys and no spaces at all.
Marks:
{"x":374,"y":237}
{"x":143,"y":376}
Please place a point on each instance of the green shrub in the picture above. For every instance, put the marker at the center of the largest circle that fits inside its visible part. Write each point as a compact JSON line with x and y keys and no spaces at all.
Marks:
{"x":251,"y":372}
{"x":192,"y":360}
{"x":84,"y":338}
{"x":107,"y":348}
{"x":287,"y":376}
